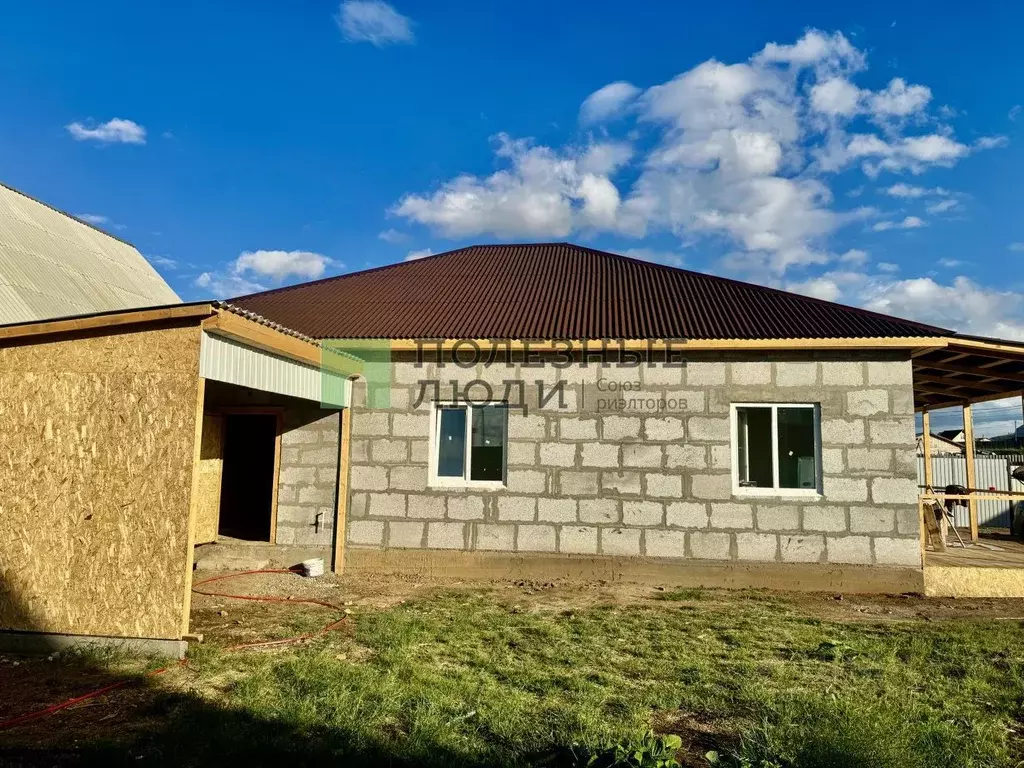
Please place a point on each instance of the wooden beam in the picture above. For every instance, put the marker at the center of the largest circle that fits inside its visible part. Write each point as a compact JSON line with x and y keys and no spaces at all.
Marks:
{"x":972,"y":503}
{"x":993,"y":348}
{"x":341,"y":515}
{"x":109,"y":320}
{"x":193,"y":504}
{"x":936,"y":391}
{"x":926,"y":446}
{"x":263,"y":337}
{"x":957,"y":382}
{"x":1014,"y":377}
{"x":952,"y":402}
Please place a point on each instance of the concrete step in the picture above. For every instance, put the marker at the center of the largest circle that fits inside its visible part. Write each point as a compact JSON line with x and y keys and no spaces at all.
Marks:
{"x":251,"y":556}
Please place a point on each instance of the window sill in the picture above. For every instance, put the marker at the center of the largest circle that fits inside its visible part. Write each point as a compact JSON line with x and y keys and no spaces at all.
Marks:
{"x":456,"y":484}
{"x":780,"y":494}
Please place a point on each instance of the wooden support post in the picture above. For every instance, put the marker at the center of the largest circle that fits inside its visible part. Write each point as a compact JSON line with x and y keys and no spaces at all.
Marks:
{"x":972,"y":503}
{"x":926,"y":447}
{"x":338,"y":558}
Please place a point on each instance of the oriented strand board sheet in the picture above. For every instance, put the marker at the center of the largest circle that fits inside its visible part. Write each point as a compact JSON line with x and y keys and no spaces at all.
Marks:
{"x":211,"y":472}
{"x":97,"y":434}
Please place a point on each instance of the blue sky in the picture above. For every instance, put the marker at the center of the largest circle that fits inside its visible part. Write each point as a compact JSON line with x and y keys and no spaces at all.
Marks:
{"x":856,"y":152}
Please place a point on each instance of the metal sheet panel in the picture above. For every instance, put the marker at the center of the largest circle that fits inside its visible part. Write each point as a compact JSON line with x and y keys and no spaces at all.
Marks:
{"x":990,"y":472}
{"x":53,"y":265}
{"x":232,"y":362}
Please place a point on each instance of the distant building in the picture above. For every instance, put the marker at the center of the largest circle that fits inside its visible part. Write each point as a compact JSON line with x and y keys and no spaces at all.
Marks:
{"x":54,"y":265}
{"x":940,"y":444}
{"x":953,"y":436}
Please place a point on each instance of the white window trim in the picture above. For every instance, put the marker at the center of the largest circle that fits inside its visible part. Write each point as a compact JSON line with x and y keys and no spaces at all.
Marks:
{"x":775,"y":492}
{"x":436,"y":481}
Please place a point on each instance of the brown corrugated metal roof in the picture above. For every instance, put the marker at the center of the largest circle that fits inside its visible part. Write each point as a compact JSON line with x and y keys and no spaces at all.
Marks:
{"x":557,"y":291}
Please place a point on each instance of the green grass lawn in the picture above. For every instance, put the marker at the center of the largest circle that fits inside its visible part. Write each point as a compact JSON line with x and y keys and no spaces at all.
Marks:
{"x":485,"y":678}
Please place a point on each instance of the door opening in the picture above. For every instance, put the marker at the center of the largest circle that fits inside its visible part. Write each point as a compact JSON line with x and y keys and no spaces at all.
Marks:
{"x":247,"y":489}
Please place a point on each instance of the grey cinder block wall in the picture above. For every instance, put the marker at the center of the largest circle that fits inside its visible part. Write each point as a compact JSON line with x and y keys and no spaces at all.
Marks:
{"x":308,"y":480}
{"x":652,"y":483}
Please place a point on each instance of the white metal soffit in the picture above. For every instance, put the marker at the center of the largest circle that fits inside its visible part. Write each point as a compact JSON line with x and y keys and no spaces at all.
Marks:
{"x":53,"y":265}
{"x":232,"y":362}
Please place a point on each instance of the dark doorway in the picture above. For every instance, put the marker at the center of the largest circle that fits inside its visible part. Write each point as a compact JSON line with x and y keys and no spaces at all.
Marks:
{"x":247,"y":489}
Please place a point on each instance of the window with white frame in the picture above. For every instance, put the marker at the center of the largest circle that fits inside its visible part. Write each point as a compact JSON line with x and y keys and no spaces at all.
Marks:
{"x":776,"y":448}
{"x":469,"y":444}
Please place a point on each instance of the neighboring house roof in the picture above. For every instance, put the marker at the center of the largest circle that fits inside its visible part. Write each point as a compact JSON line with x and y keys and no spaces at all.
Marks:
{"x":953,"y":435}
{"x":941,"y":444}
{"x":52,"y":265}
{"x":558,"y":291}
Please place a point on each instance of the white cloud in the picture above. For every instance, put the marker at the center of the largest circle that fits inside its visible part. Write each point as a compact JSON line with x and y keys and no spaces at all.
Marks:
{"x":888,"y":266}
{"x":854,"y":257}
{"x":909,"y":191}
{"x":1016,"y":247}
{"x":92,"y":218}
{"x":910,"y":222}
{"x":393,"y":236}
{"x":116,"y":131}
{"x":655,"y":256}
{"x":226,"y":286}
{"x":161,"y":261}
{"x":414,"y":255}
{"x":1014,"y":112}
{"x":991,"y":142}
{"x":942,"y":206}
{"x":607,"y":102}
{"x":741,"y":152}
{"x":950,"y":263}
{"x":373,"y":21}
{"x":279,"y":265}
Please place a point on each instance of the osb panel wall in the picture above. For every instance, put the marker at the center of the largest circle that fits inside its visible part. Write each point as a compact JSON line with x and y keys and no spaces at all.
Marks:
{"x":211,"y":473}
{"x":98,"y":439}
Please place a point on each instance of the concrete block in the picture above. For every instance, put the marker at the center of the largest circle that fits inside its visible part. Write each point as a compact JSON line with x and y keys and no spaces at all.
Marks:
{"x":558,"y":454}
{"x":852,"y":550}
{"x":796,"y":374}
{"x":842,"y":431}
{"x":573,"y":428}
{"x":686,"y":456}
{"x":686,"y":514}
{"x":316,"y":495}
{"x":907,"y":521}
{"x":665,"y":543}
{"x":842,"y":374}
{"x":839,"y":489}
{"x":641,"y":455}
{"x":287,"y":494}
{"x":818,"y":518}
{"x":888,"y":374}
{"x":710,"y":545}
{"x":419,"y":452}
{"x":869,"y":459}
{"x":627,"y":483}
{"x":496,"y":538}
{"x":902,"y":402}
{"x":708,"y":428}
{"x":425,"y":506}
{"x":297,"y":475}
{"x":408,"y":478}
{"x":599,"y":511}
{"x":400,"y":398}
{"x":872,"y":520}
{"x":412,"y":372}
{"x":559,"y":510}
{"x":526,"y":481}
{"x":405,"y":534}
{"x":410,"y":424}
{"x":620,"y":428}
{"x":661,"y":485}
{"x":620,"y":541}
{"x":640,"y":513}
{"x":832,"y":462}
{"x":749,"y":374}
{"x":721,"y":457}
{"x":521,"y":453}
{"x":663,"y":428}
{"x":465,"y":507}
{"x":802,"y":549}
{"x":577,"y":539}
{"x":446,"y":535}
{"x":867,"y":402}
{"x":357,"y":504}
{"x":368,"y":478}
{"x":327,"y":476}
{"x":517,"y":508}
{"x":762,"y":547}
{"x":370,"y":424}
{"x":700,"y":374}
{"x":905,"y":462}
{"x":711,"y":486}
{"x":577,"y":483}
{"x":600,"y":455}
{"x":529,"y":426}
{"x":898,"y":552}
{"x":387,"y":504}
{"x":778,"y":517}
{"x":387,"y":451}
{"x":662,"y":374}
{"x":732,"y":515}
{"x":324,"y":456}
{"x":367,"y":533}
{"x":894,"y":490}
{"x":290,"y":454}
{"x":536,"y":538}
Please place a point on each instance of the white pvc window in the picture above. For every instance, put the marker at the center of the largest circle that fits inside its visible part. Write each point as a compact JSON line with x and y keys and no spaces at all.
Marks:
{"x":468,"y":445}
{"x":776,"y":449}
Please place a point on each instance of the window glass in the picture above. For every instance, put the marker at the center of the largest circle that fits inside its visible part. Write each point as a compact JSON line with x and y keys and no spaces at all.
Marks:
{"x":487,"y":458}
{"x":796,"y":448}
{"x":754,"y":447}
{"x":451,"y":447}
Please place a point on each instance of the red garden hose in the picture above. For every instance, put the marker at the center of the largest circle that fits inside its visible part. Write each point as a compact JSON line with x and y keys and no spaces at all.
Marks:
{"x":239,"y":647}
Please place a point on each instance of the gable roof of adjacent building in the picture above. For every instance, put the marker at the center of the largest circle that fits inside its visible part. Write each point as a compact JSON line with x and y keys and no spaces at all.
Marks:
{"x":559,"y":291}
{"x":53,"y":265}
